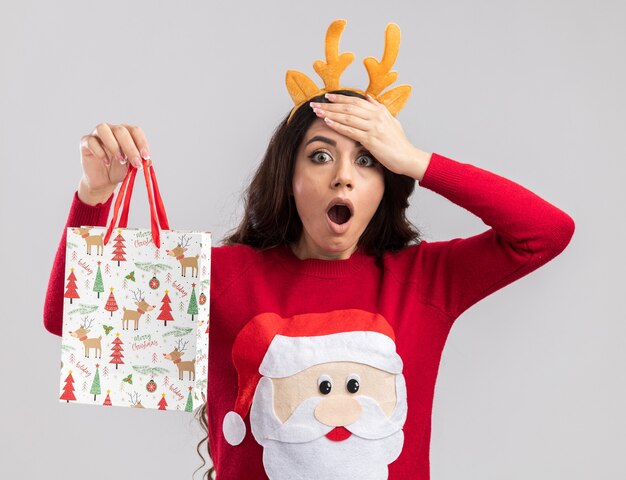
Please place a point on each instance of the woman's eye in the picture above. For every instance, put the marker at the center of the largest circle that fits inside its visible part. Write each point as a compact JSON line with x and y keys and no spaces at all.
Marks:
{"x":324,"y":157}
{"x":366,"y":161}
{"x":317,"y":157}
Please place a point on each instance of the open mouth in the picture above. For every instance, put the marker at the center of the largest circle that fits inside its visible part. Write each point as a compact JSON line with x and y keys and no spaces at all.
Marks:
{"x":339,"y":213}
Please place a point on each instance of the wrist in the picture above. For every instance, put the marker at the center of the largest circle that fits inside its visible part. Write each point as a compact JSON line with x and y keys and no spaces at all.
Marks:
{"x":92,"y":196}
{"x":418,"y":164}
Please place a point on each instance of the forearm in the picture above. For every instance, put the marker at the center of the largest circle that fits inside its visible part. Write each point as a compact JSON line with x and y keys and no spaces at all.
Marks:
{"x":527,"y":232}
{"x":517,"y":214}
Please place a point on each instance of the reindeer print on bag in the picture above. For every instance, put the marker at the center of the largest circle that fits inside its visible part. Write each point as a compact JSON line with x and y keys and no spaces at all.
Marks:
{"x":135,"y":315}
{"x":188,"y":366}
{"x":91,"y":240}
{"x":179,"y":253}
{"x":81,"y":334}
{"x":135,"y":400}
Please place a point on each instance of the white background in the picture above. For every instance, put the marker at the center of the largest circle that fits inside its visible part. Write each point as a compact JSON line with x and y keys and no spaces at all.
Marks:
{"x":531,"y":383}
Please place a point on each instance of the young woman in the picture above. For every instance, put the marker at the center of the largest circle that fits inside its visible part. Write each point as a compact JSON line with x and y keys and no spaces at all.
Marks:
{"x":328,"y":311}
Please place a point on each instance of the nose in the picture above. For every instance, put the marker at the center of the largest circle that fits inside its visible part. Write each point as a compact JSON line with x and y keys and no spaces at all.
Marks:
{"x":343,"y":175}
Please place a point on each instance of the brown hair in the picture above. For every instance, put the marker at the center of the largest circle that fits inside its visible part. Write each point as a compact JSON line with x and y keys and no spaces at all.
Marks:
{"x":270,"y":217}
{"x":201,"y":415}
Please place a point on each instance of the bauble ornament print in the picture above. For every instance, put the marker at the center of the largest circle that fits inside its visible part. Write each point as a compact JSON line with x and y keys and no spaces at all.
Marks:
{"x":154,"y":283}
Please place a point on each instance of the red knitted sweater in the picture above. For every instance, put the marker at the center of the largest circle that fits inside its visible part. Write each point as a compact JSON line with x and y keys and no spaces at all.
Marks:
{"x":414,"y":300}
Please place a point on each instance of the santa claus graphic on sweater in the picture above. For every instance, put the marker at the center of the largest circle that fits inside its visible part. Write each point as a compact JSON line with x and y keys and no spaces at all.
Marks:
{"x":325,"y":393}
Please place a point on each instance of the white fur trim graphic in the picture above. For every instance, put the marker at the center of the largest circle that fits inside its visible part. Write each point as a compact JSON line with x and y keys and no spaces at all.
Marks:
{"x":285,"y":457}
{"x":288,"y":355}
{"x":234,"y":428}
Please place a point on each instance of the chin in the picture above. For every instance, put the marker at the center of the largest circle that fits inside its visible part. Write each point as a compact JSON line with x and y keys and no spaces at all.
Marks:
{"x":327,"y":246}
{"x":342,"y":249}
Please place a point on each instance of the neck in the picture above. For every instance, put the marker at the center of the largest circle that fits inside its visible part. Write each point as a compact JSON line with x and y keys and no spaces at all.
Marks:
{"x":304,"y":251}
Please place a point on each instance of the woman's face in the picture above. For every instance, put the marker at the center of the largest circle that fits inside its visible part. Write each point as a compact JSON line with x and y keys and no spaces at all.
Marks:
{"x":337,"y":187}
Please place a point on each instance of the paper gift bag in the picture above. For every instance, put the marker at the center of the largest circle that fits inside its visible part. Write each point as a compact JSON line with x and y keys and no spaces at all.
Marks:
{"x":136,"y":311}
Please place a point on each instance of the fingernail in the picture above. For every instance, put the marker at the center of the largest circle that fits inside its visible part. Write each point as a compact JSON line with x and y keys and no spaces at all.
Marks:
{"x":145,"y":154}
{"x":330,"y":96}
{"x":137,"y":162}
{"x":121,"y":157}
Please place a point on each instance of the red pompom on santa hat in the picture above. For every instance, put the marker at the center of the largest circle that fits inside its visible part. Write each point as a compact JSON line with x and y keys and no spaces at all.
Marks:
{"x":272,"y":346}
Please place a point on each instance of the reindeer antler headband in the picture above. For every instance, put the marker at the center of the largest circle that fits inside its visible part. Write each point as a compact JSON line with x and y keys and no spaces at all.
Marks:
{"x":302,"y":88}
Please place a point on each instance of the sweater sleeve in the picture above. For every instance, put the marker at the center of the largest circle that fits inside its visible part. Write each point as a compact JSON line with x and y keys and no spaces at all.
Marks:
{"x":80,"y":214}
{"x":526,"y":232}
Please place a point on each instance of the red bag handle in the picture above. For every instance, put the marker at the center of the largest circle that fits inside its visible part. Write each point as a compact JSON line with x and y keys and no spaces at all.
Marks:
{"x":157,"y":209}
{"x":157,"y":200}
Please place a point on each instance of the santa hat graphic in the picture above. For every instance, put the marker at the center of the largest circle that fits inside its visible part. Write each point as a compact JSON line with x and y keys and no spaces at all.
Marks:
{"x":273,"y":346}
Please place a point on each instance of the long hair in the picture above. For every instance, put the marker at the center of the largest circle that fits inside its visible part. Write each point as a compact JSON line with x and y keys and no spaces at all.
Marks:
{"x":270,"y":217}
{"x":201,"y":415}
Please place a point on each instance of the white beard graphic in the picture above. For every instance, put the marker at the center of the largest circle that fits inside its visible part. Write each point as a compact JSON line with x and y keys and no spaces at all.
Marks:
{"x":299,"y":450}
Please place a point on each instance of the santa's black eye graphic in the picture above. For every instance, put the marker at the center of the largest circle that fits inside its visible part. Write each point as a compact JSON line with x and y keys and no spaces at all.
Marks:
{"x":352,"y":384}
{"x":324,"y":384}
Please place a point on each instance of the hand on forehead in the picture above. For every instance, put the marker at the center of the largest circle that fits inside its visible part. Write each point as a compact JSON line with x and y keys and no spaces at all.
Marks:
{"x":370,"y":123}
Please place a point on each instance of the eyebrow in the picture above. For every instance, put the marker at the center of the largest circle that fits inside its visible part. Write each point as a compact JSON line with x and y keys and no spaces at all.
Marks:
{"x":330,"y":141}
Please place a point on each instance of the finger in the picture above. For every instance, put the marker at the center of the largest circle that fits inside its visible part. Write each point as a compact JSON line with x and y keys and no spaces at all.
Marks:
{"x":92,"y":144}
{"x":345,"y":119}
{"x":373,"y":100}
{"x":337,"y":98}
{"x":141,"y":142}
{"x":127,"y":144}
{"x":381,"y":110}
{"x":109,"y":143}
{"x":348,"y":131}
{"x":347,"y":109}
